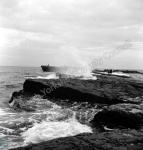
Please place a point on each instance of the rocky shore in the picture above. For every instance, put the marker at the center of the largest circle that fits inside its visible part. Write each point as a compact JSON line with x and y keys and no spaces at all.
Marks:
{"x":117,"y":126}
{"x":129,"y":71}
{"x":121,"y":70}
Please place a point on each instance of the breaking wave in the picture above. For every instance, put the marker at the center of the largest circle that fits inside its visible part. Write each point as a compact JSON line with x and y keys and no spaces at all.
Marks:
{"x":83,"y":76}
{"x":49,"y":121}
{"x":50,"y":76}
{"x":45,"y":131}
{"x":53,"y":122}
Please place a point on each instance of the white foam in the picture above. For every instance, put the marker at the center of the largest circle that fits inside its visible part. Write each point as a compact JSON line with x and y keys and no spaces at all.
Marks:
{"x":81,"y":74}
{"x":120,"y":74}
{"x":51,"y":130}
{"x":50,"y":121}
{"x":87,"y":76}
{"x":7,"y":129}
{"x":50,"y":76}
{"x":2,"y":112}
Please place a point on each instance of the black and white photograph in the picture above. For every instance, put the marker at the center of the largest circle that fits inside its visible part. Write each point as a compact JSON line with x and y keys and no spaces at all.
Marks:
{"x":71,"y":74}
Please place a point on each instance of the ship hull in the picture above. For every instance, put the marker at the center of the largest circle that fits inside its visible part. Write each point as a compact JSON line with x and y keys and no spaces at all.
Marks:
{"x":52,"y":69}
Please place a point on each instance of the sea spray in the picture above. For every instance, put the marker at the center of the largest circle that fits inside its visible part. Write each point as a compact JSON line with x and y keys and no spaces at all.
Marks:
{"x":84,"y":70}
{"x":50,"y":76}
{"x":46,"y":130}
{"x":49,"y":121}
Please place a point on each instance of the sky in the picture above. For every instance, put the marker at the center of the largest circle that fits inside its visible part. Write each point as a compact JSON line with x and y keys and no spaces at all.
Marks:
{"x":70,"y":32}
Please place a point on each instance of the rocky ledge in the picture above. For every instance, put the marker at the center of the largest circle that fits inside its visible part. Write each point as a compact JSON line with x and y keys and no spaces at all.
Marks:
{"x":129,"y":71}
{"x":117,"y":126}
{"x":121,"y":70}
{"x":105,"y":90}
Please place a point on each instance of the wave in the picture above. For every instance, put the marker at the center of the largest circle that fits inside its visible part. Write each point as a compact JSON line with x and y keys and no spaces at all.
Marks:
{"x":45,"y":131}
{"x":49,"y":121}
{"x":2,"y":112}
{"x":50,"y":76}
{"x":88,"y":75}
{"x":12,"y":86}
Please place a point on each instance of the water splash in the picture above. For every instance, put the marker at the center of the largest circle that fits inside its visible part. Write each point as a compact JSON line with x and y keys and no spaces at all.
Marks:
{"x":80,"y":74}
{"x":49,"y":121}
{"x":2,"y":112}
{"x":83,"y":72}
{"x":45,"y":131}
{"x":50,"y":76}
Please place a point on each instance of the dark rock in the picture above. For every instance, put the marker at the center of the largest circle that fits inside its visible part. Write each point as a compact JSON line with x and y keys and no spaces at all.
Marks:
{"x":119,"y":70}
{"x":120,"y":116}
{"x":119,"y":104}
{"x":105,"y":90}
{"x":114,"y":140}
{"x":15,"y":94}
{"x":129,"y":71}
{"x":71,"y":90}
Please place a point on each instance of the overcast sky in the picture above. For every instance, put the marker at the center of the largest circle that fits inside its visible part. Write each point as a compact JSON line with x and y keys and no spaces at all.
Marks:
{"x":70,"y":32}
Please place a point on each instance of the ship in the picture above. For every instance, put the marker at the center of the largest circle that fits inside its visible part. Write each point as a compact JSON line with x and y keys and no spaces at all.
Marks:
{"x":49,"y":68}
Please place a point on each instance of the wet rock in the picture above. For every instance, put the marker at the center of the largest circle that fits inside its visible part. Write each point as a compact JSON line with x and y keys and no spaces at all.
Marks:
{"x":120,"y":116}
{"x":129,"y":71}
{"x":106,"y":90}
{"x":119,"y":107}
{"x":114,"y":140}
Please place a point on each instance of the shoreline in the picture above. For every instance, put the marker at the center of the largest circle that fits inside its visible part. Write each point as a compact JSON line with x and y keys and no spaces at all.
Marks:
{"x":120,"y":101}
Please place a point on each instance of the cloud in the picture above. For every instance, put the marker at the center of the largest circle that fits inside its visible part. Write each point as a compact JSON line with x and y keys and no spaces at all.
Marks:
{"x":81,"y":29}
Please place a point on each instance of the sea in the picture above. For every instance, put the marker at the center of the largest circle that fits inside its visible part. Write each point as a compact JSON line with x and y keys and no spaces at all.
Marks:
{"x":49,"y":121}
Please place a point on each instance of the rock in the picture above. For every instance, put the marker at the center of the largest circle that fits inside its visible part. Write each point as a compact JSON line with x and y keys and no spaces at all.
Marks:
{"x":120,"y":70}
{"x":129,"y":71}
{"x":120,"y":116}
{"x":106,"y":90}
{"x":18,"y":102}
{"x":114,"y":140}
{"x":119,"y":107}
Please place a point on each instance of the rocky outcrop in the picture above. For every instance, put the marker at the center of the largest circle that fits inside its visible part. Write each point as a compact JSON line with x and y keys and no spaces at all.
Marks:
{"x":118,"y":122}
{"x":114,"y":140}
{"x":119,"y":70}
{"x":120,"y":116}
{"x":129,"y":71}
{"x":105,"y":90}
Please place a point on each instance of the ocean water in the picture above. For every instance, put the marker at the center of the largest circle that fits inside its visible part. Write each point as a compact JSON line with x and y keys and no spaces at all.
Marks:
{"x":49,"y":121}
